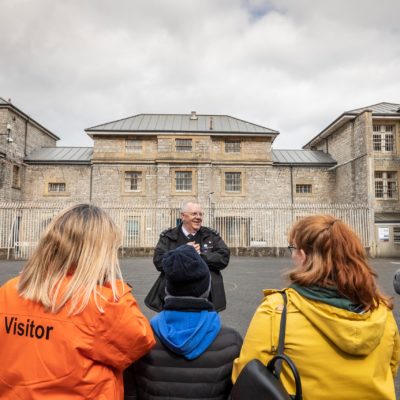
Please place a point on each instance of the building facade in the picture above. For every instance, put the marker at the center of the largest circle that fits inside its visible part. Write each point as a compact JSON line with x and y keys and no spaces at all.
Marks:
{"x":366,"y":145}
{"x":20,"y":135}
{"x":166,"y":159}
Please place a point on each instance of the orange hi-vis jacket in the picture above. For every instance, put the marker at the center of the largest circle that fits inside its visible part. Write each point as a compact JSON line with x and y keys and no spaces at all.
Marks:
{"x":59,"y":357}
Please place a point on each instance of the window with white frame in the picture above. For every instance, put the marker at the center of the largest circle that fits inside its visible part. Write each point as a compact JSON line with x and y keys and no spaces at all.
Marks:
{"x":183,"y":144}
{"x":233,"y":182}
{"x":133,"y":145}
{"x":133,"y":181}
{"x":383,"y":138}
{"x":303,"y":188}
{"x":183,"y":181}
{"x":396,"y":234}
{"x":385,"y":185}
{"x":56,"y":187}
{"x":232,"y":146}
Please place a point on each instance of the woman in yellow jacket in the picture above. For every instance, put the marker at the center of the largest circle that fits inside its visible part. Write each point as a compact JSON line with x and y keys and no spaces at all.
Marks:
{"x":340,"y":332}
{"x":68,"y":325}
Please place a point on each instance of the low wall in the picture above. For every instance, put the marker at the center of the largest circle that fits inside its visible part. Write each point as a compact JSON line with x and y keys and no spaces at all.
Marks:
{"x":235,"y":251}
{"x":149,"y":251}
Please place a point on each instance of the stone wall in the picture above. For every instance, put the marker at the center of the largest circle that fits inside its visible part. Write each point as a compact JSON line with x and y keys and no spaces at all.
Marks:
{"x":75,"y":177}
{"x":349,"y":146}
{"x":26,"y":136}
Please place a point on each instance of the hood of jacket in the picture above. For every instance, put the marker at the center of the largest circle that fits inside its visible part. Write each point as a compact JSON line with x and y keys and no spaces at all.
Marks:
{"x":354,"y":333}
{"x":187,"y":333}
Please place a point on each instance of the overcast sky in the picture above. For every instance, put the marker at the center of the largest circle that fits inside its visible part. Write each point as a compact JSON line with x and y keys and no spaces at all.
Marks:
{"x":290,"y":65}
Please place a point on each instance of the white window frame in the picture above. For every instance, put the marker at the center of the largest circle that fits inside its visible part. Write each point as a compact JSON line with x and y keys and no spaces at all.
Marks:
{"x":386,"y":187}
{"x":233,"y":182}
{"x":183,"y":181}
{"x":383,"y":138}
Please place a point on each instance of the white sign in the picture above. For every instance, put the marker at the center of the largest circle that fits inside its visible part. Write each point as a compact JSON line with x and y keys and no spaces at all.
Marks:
{"x":383,"y":234}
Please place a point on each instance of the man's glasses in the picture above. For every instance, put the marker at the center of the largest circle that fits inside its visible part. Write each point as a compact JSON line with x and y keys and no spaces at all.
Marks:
{"x":194,"y":214}
{"x":292,"y":247}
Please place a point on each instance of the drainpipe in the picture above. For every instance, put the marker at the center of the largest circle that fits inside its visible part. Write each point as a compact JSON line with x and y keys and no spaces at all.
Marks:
{"x":91,"y":182}
{"x":291,"y":190}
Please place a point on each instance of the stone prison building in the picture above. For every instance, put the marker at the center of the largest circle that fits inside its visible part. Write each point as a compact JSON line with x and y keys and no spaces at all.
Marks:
{"x":154,"y":162}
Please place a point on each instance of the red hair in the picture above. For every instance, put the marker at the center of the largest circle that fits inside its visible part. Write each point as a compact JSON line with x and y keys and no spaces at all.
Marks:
{"x":335,"y":257}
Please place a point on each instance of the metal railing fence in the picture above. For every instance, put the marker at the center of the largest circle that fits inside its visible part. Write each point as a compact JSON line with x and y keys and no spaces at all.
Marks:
{"x":240,"y":224}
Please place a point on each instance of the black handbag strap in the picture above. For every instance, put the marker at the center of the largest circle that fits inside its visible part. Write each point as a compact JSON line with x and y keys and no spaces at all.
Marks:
{"x":282,"y":332}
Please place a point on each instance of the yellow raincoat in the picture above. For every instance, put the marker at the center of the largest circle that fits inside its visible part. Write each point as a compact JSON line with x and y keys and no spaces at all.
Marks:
{"x":339,"y":354}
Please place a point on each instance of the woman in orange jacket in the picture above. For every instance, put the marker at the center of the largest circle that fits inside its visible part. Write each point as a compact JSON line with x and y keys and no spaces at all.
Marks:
{"x":69,"y":325}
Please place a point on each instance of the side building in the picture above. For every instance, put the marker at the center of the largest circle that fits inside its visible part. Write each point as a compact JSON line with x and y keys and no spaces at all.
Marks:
{"x":20,"y":135}
{"x":365,"y":142}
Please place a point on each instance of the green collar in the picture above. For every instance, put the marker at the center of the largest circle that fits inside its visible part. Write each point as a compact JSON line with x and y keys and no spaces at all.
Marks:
{"x":327,"y":295}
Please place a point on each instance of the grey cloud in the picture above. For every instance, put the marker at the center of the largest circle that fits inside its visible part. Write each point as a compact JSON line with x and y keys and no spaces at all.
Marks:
{"x":291,"y":65}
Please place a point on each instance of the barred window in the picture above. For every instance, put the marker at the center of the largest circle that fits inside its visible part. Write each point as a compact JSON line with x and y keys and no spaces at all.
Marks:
{"x":133,"y":181}
{"x":303,"y":188}
{"x":232,"y":146}
{"x":396,"y":234}
{"x":183,"y":144}
{"x":183,"y":181}
{"x":385,"y":185}
{"x":56,"y":187}
{"x":383,"y":138}
{"x":233,"y":182}
{"x":133,"y":145}
{"x":16,"y":176}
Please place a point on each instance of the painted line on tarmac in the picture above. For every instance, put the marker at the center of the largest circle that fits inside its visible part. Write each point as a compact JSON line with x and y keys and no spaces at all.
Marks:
{"x":233,"y":287}
{"x":395,"y":262}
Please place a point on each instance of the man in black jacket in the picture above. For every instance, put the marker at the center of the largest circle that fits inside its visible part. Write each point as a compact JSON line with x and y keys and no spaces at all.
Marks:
{"x":207,"y":242}
{"x":194,"y":352}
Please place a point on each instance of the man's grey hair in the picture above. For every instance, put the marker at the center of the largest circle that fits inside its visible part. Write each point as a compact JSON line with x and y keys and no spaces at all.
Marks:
{"x":185,"y":204}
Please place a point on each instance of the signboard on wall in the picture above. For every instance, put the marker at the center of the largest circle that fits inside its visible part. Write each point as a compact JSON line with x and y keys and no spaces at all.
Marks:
{"x":383,"y":234}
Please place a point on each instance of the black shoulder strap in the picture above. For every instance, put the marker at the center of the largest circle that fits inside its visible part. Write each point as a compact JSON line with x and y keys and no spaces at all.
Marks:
{"x":282,"y":331}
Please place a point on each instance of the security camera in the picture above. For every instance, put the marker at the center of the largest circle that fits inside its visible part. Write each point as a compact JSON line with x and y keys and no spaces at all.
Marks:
{"x":9,"y":140}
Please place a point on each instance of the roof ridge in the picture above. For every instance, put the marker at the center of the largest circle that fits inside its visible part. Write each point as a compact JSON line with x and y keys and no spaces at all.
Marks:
{"x":370,"y":106}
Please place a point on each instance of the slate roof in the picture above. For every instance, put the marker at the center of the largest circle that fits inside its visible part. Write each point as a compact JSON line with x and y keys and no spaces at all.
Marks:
{"x":302,"y":157}
{"x":60,"y":155}
{"x":378,"y":110}
{"x":148,"y":123}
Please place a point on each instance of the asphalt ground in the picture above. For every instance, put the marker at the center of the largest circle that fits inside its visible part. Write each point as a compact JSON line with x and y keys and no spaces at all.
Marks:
{"x":244,"y":279}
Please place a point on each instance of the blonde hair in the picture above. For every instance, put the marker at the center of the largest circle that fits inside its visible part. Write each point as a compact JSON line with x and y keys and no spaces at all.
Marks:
{"x":335,"y":257}
{"x":81,"y":241}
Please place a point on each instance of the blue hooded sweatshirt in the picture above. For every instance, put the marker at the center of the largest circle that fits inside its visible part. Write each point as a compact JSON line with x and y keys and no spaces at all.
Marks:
{"x":187,"y":333}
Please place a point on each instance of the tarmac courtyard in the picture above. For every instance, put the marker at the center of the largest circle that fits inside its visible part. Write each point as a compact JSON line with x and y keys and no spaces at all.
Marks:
{"x":244,"y":280}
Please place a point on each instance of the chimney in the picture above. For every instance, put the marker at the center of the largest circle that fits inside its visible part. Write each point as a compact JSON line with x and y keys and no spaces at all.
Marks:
{"x":194,"y":115}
